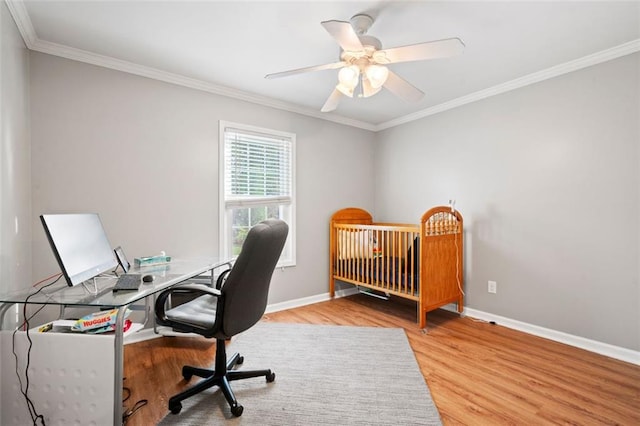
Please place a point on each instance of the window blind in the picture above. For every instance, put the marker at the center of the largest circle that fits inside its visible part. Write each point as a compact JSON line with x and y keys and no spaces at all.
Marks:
{"x":257,"y":166}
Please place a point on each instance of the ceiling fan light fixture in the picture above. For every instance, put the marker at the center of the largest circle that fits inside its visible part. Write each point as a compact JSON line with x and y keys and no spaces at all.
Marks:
{"x":363,"y":61}
{"x":348,"y":76}
{"x":377,"y":75}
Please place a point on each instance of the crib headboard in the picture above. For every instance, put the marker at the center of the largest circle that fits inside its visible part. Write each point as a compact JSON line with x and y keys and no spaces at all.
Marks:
{"x":441,"y":254}
{"x":351,"y":215}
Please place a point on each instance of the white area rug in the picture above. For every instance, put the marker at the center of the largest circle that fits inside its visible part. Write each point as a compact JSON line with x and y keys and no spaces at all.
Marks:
{"x":325,"y":375}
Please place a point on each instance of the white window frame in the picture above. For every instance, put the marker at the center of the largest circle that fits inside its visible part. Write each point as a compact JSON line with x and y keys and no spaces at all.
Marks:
{"x":225,"y":231}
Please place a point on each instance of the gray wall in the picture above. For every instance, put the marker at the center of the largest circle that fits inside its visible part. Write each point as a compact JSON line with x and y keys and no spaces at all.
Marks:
{"x":547,"y":180}
{"x":144,"y":155}
{"x":15,"y":158}
{"x":15,"y":164}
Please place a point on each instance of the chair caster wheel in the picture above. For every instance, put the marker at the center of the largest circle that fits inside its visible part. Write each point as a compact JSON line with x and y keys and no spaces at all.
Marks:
{"x":175,"y":408}
{"x":187,"y":375}
{"x":240,"y":360}
{"x":237,"y":410}
{"x":271,"y":377}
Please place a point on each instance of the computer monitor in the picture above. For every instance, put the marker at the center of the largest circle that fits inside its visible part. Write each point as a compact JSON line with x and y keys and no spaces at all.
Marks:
{"x":80,"y":245}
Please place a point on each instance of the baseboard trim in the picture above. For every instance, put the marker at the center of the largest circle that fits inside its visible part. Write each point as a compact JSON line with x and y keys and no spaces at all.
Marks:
{"x":297,"y":303}
{"x":616,"y":352}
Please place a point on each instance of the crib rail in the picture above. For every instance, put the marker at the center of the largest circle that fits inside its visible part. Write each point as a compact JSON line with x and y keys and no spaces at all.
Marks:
{"x":379,"y":257}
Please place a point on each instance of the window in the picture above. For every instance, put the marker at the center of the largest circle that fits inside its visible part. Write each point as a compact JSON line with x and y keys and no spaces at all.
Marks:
{"x":257,"y":182}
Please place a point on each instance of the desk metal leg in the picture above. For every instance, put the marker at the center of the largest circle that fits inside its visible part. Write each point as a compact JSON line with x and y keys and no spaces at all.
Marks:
{"x":155,"y":324}
{"x":118,"y":348}
{"x":147,"y":309}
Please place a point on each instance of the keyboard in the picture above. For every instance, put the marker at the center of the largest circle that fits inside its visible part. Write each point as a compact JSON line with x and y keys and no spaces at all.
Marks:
{"x":127,"y":282}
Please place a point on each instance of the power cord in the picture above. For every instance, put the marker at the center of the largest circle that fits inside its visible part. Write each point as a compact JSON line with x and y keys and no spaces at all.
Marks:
{"x":127,"y":413}
{"x":483,"y":321}
{"x":455,"y":240}
{"x":35,"y":416}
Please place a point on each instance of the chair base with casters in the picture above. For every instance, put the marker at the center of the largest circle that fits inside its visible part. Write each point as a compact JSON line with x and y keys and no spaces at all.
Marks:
{"x":221,"y":376}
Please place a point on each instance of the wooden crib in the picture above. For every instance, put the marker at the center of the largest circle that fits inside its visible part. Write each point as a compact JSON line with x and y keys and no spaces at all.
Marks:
{"x":417,"y":262}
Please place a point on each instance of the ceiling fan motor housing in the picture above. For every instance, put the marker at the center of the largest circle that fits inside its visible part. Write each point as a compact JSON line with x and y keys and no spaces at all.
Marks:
{"x":370,"y":41}
{"x":361,"y":23}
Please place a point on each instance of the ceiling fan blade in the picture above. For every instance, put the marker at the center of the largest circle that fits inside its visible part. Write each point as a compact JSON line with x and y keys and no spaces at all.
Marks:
{"x":416,"y":52}
{"x":332,"y":66}
{"x":344,"y":34}
{"x":402,"y":88}
{"x":332,"y":101}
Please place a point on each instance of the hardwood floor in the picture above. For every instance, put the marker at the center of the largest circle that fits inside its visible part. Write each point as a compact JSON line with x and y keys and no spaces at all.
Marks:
{"x":478,"y":373}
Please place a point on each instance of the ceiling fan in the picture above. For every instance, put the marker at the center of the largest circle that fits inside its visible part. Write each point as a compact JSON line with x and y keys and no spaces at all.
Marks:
{"x":363,"y":62}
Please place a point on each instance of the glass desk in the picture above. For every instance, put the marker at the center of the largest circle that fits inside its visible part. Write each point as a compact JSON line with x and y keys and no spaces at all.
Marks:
{"x":101,"y":296}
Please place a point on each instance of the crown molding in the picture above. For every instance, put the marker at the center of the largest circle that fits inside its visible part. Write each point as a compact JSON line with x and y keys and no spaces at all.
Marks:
{"x":156,"y":74}
{"x":558,"y":70}
{"x":23,"y":22}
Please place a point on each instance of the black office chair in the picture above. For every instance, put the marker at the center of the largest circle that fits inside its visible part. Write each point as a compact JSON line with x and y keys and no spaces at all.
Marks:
{"x":236,"y":304}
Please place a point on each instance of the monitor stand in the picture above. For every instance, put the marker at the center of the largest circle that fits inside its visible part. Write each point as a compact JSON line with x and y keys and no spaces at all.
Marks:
{"x":93,"y":291}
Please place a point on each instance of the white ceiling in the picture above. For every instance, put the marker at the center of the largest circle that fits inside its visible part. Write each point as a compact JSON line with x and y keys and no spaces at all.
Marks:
{"x":228,"y":47}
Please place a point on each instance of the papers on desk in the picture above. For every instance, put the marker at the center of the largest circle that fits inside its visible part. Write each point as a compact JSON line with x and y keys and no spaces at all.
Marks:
{"x":135,"y":327}
{"x":57,"y":326}
{"x":70,"y":326}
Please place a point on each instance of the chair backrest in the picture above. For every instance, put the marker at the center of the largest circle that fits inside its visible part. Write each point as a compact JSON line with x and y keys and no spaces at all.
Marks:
{"x":247,"y":286}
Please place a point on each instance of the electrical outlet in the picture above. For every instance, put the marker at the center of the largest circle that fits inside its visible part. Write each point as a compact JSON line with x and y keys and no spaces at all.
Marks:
{"x":492,"y":287}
